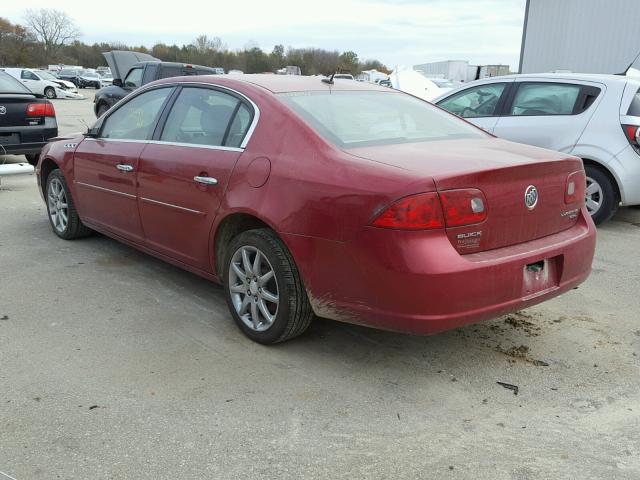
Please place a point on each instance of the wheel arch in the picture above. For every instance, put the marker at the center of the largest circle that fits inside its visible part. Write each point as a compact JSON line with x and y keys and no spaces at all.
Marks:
{"x":47,"y":166}
{"x":614,"y":180}
{"x":231,"y":225}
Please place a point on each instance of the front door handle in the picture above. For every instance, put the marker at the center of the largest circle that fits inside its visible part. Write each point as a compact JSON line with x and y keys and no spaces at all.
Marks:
{"x":206,"y":180}
{"x":124,"y":168}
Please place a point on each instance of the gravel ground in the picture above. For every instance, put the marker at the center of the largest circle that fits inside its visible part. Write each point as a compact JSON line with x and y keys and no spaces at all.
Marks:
{"x":115,"y":365}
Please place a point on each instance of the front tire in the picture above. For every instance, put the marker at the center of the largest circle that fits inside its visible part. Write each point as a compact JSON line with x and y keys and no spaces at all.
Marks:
{"x":600,"y":196}
{"x":263,"y":288}
{"x":50,"y":93}
{"x":63,"y":216}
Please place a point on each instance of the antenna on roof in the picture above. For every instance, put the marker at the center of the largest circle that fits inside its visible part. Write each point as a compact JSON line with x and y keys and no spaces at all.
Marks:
{"x":329,"y":80}
{"x":630,"y":65}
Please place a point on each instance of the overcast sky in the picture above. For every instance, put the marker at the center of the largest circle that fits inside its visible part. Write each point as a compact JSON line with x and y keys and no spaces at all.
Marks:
{"x":396,"y":32}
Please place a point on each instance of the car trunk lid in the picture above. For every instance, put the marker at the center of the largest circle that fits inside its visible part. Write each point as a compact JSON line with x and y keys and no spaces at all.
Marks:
{"x":13,"y":110}
{"x":504,"y":172}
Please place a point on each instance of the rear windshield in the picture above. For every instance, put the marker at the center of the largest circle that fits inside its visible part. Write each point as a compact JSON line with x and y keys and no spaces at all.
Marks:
{"x":351,"y":119}
{"x":634,"y":108}
{"x":8,"y":84}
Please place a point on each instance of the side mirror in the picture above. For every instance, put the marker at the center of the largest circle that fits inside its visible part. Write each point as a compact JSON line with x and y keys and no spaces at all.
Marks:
{"x":117,"y":82}
{"x":92,"y":132}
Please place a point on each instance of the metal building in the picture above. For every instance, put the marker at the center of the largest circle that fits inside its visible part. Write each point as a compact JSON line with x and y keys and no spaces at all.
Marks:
{"x":588,"y":36}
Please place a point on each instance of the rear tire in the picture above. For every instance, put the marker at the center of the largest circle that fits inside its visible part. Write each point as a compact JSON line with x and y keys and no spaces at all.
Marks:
{"x":32,"y":158}
{"x":601,"y":198}
{"x":50,"y":93}
{"x":280,"y":304}
{"x":62,"y":212}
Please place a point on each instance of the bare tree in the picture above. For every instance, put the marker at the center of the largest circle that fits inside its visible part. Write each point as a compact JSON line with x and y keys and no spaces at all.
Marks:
{"x":205,"y":44}
{"x":53,"y":28}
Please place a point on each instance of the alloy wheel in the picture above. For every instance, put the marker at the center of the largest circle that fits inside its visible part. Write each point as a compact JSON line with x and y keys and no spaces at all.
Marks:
{"x":58,"y":205}
{"x":594,"y":196}
{"x":253,"y":288}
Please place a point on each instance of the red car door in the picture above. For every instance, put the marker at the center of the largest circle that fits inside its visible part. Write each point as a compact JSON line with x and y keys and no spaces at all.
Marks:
{"x":106,"y":167}
{"x":183,"y":174}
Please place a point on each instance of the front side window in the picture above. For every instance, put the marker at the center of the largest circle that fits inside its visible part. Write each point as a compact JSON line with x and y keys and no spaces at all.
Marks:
{"x":28,"y":75}
{"x":201,"y":116}
{"x":136,"y":119}
{"x":134,"y":78}
{"x":480,"y":101}
{"x":366,"y":118}
{"x":545,"y":99}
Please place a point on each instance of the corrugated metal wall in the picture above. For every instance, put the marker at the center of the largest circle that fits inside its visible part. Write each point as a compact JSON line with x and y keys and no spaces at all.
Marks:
{"x":589,"y":36}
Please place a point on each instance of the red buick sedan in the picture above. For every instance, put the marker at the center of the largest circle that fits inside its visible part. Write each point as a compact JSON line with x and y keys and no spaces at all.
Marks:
{"x":345,"y":200}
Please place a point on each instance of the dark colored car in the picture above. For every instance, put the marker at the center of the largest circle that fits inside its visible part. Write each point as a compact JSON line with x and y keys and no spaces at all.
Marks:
{"x":70,"y":75}
{"x":349,"y":201}
{"x":128,"y":76}
{"x":27,"y":120}
{"x":89,"y":79}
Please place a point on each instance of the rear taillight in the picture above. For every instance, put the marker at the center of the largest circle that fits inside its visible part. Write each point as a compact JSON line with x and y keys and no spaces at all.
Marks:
{"x":463,"y":207}
{"x":632,"y":132}
{"x":418,"y":212}
{"x":40,"y":110}
{"x":450,"y":208}
{"x":575,"y":188}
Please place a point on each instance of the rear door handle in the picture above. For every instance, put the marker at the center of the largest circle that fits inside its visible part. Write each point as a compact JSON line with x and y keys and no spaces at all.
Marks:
{"x":206,"y":180}
{"x":124,"y":168}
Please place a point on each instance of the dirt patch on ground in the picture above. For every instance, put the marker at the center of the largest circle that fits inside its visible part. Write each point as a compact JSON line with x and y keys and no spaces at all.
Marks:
{"x":521,"y":321}
{"x":520,"y":353}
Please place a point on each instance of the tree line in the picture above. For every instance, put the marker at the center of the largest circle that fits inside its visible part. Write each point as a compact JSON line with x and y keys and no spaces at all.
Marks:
{"x":51,"y":37}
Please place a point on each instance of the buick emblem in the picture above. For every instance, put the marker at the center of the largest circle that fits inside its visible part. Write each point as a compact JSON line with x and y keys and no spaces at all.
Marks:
{"x":531,"y":197}
{"x":3,"y":109}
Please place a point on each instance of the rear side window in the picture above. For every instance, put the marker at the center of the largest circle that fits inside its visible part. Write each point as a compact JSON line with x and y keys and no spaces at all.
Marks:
{"x":167,"y":71}
{"x":201,"y":116}
{"x":149,"y":74}
{"x":634,"y":108}
{"x":545,"y":99}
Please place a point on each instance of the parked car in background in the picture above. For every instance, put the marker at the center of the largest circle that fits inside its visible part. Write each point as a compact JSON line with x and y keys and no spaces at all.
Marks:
{"x":106,"y":78}
{"x":131,"y":70}
{"x":27,"y":120}
{"x":349,"y":201}
{"x":44,"y":83}
{"x":70,"y":75}
{"x":594,"y":117}
{"x":89,"y":79}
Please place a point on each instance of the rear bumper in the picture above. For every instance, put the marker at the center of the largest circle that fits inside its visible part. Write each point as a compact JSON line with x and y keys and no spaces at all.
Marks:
{"x":416,"y":282}
{"x":28,"y":139}
{"x":627,"y":170}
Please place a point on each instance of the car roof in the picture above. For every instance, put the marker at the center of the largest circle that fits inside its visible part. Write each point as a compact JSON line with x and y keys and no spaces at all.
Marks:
{"x":594,"y":77}
{"x":301,"y":83}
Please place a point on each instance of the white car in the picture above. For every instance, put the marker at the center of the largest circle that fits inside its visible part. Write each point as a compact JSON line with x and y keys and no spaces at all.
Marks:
{"x":594,"y":117}
{"x":44,"y":83}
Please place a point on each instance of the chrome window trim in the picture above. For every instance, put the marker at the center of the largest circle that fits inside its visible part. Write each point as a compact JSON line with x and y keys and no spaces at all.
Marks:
{"x":157,"y":202}
{"x":108,"y":190}
{"x":143,"y":89}
{"x":162,"y":142}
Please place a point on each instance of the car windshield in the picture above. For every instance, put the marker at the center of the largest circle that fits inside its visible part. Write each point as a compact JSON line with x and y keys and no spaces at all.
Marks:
{"x":8,"y":84}
{"x":89,"y":74}
{"x":45,"y":75}
{"x":366,"y":118}
{"x":69,"y":72}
